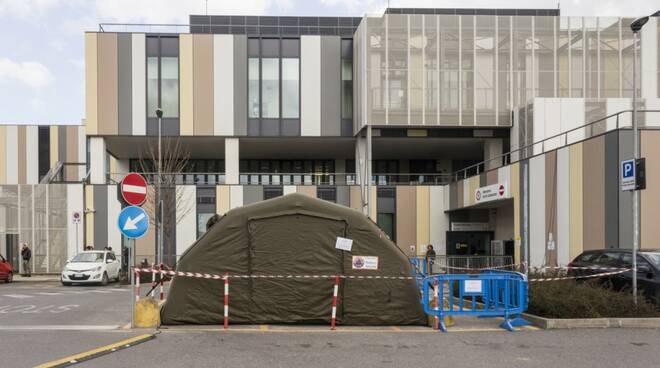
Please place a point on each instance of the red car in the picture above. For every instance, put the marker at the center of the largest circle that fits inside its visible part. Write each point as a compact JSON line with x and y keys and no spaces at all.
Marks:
{"x":6,"y":271}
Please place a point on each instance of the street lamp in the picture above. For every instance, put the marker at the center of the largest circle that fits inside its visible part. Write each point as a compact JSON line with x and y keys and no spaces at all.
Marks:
{"x":159,"y":203}
{"x":635,"y":26}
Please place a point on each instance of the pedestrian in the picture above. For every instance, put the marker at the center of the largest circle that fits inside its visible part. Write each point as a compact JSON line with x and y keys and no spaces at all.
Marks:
{"x":430,"y":258}
{"x":26,"y":254}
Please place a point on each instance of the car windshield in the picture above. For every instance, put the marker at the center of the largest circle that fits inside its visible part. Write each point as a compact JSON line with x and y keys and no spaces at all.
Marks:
{"x":88,"y":257}
{"x":654,"y":257}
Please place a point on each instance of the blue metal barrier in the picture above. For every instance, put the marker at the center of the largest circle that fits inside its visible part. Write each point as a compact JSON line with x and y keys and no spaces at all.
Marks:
{"x":488,"y":294}
{"x":418,"y":270}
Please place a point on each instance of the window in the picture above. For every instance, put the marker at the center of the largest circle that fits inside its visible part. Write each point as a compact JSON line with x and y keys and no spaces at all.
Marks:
{"x":202,"y":219}
{"x":270,"y":92}
{"x":273,"y":192}
{"x":253,"y":81}
{"x":169,"y":86}
{"x":290,"y":88}
{"x":152,"y":85}
{"x":163,"y":76}
{"x":346,"y":79}
{"x":327,"y":193}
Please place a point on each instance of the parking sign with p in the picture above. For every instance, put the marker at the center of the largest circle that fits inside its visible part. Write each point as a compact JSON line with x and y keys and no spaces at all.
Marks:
{"x":627,"y":175}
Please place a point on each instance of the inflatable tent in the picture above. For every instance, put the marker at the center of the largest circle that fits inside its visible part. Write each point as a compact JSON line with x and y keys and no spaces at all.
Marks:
{"x":294,"y":235}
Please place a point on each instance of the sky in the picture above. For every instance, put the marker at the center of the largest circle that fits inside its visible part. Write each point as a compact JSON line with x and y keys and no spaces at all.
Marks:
{"x":42,"y":41}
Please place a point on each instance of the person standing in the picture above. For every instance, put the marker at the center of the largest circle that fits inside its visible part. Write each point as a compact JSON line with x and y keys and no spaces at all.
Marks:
{"x":26,"y":254}
{"x":430,"y":258}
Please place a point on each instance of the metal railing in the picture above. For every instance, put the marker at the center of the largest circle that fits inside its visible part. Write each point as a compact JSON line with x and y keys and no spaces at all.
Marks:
{"x":186,"y":178}
{"x":385,"y":179}
{"x":575,"y":135}
{"x":66,"y":172}
{"x":461,"y":264}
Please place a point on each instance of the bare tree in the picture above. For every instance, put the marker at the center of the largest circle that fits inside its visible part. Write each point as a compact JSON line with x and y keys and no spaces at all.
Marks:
{"x":176,"y":205}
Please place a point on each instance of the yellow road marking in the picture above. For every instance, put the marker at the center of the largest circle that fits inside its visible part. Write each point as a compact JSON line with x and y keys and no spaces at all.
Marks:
{"x":263,"y":328}
{"x":98,"y":350}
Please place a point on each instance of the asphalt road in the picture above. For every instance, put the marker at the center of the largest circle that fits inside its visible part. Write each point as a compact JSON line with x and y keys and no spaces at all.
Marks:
{"x":38,"y":305}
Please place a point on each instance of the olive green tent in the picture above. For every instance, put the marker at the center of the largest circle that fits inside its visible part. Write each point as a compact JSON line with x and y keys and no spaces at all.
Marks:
{"x":294,"y":235}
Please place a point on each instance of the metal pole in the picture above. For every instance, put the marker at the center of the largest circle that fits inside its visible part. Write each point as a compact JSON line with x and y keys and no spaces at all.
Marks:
{"x":77,"y":245}
{"x":636,"y":157}
{"x":368,"y":167}
{"x":131,"y":276}
{"x":159,"y":225}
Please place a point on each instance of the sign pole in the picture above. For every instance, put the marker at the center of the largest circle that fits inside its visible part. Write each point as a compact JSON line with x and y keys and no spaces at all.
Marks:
{"x":131,"y":275}
{"x":636,"y":157}
{"x":77,"y":249}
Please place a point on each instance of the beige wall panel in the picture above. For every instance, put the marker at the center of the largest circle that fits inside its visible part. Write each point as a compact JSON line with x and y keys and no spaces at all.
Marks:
{"x":594,"y":193}
{"x":72,"y":152}
{"x":492,"y":177}
{"x":650,"y":197}
{"x":423,"y":200}
{"x":459,"y":194}
{"x":309,"y":190}
{"x":186,"y":94}
{"x":203,"y":84}
{"x":89,"y":217}
{"x":514,"y":185}
{"x":551,"y":204}
{"x":22,"y":146}
{"x":474,"y":185}
{"x":108,"y":108}
{"x":3,"y":156}
{"x":576,"y":198}
{"x":91,"y":82}
{"x":406,"y":217}
{"x":223,"y":199}
{"x":355,"y":198}
{"x":374,"y":204}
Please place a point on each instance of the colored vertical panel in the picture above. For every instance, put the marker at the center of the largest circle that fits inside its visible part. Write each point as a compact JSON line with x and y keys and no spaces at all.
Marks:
{"x":330,"y":86}
{"x":453,"y":195}
{"x":138,"y":84}
{"x":75,"y":234}
{"x":114,"y":207}
{"x":240,"y":85}
{"x":145,"y":247}
{"x":91,"y":83}
{"x":3,"y":156}
{"x":504,"y":176}
{"x":492,"y":177}
{"x":203,"y":85}
{"x":438,"y":220}
{"x":125,"y":84}
{"x":356,"y":198}
{"x":108,"y":89}
{"x":253,"y":194}
{"x":625,"y":198}
{"x":186,"y":226}
{"x":537,"y":236}
{"x":100,"y":216}
{"x":482,"y":180}
{"x":459,"y":194}
{"x":563,"y":206}
{"x":71,"y":133}
{"x":343,"y":196}
{"x":467,"y":194}
{"x":514,"y":185}
{"x":309,"y":190}
{"x":474,"y":185}
{"x":650,"y":197}
{"x":310,"y":85}
{"x":223,"y":199}
{"x":576,"y":199}
{"x":62,"y":143}
{"x":11,"y":144}
{"x":186,"y":96}
{"x":612,"y":189}
{"x":22,"y":137}
{"x":54,"y":145}
{"x":32,"y":154}
{"x":89,"y":216}
{"x":235,"y":196}
{"x":551,"y":205}
{"x":423,"y":215}
{"x":223,"y":85}
{"x":406,"y":217}
{"x":374,"y":204}
{"x":594,"y":193}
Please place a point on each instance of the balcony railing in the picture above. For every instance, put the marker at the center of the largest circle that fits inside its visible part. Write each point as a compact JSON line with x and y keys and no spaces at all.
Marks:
{"x":188,"y":178}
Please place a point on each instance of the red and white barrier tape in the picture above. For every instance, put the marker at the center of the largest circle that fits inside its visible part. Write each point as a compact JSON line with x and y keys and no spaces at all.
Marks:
{"x":333,"y":317}
{"x":219,"y":277}
{"x":162,"y":293}
{"x":226,"y":321}
{"x":580,"y":277}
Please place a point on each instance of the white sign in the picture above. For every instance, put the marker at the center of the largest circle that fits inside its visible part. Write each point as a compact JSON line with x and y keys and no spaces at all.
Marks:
{"x":76,"y":217}
{"x":344,"y":244}
{"x":413,"y":249}
{"x":628,"y":175}
{"x":469,"y":226}
{"x":472,"y":287}
{"x":490,"y":193}
{"x":365,"y":263}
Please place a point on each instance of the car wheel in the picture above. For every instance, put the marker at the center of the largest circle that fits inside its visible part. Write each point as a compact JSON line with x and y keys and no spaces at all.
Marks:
{"x":104,"y":279}
{"x":66,"y":283}
{"x":10,"y":278}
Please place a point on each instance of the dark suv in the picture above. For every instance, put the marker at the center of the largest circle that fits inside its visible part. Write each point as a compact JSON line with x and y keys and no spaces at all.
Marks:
{"x":648,"y":269}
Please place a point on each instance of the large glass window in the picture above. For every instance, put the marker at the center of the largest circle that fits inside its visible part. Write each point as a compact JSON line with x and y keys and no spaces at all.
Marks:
{"x":290,"y":88}
{"x":163,"y":76}
{"x":170,"y":86}
{"x":270,"y":92}
{"x":152,"y":85}
{"x":253,"y":80}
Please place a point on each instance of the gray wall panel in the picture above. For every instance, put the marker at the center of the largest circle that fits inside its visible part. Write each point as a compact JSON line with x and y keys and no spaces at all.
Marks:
{"x":125,"y":83}
{"x":253,"y":194}
{"x":101,"y":216}
{"x":343,"y":195}
{"x":62,"y":143}
{"x":330,"y":86}
{"x":625,"y":148}
{"x":611,"y":190}
{"x":240,"y":85}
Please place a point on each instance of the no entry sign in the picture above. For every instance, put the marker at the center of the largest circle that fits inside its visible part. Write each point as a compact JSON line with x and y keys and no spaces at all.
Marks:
{"x":134,"y":189}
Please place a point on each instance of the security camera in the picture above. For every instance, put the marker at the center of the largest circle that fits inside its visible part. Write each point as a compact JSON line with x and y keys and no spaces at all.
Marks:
{"x":159,"y":112}
{"x":638,"y":23}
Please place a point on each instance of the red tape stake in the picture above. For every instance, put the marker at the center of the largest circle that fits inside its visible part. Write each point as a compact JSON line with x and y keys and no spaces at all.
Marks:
{"x":137,"y":286}
{"x":162,"y":296}
{"x":226,"y":300}
{"x":333,"y":318}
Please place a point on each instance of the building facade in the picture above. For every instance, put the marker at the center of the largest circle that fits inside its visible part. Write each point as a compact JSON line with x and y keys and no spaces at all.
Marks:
{"x":406,"y":116}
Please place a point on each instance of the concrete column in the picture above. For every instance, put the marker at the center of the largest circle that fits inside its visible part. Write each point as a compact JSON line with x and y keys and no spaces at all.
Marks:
{"x":492,"y":148}
{"x":97,"y":161}
{"x":231,"y":161}
{"x":362,"y":169}
{"x":649,"y":59}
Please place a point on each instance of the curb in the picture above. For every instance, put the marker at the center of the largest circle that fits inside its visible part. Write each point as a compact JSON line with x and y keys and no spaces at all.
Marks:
{"x":575,"y":323}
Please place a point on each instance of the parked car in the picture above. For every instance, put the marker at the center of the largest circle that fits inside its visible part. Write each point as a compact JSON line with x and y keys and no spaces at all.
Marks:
{"x":648,"y":269}
{"x":6,"y":271}
{"x":91,"y":267}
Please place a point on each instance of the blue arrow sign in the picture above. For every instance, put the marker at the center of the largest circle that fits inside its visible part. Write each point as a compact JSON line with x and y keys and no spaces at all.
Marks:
{"x":133,"y":222}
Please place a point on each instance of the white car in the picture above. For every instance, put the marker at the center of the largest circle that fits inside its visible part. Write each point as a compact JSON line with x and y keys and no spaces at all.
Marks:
{"x":91,"y":267}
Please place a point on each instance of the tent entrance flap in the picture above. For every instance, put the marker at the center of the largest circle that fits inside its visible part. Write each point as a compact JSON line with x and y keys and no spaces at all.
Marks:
{"x":294,"y":244}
